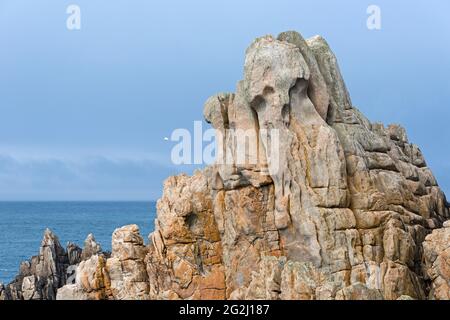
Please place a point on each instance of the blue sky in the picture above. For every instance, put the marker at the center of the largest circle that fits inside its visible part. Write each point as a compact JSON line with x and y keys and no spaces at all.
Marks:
{"x":83,"y":114}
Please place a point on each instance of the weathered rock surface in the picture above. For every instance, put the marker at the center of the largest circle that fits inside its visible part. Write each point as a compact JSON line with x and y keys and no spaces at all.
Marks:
{"x":42,"y":276}
{"x":91,"y":247}
{"x":325,"y":205}
{"x":437,"y":262}
{"x":2,"y":292}
{"x":119,"y":276}
{"x":39,"y":278}
{"x":340,"y":211}
{"x":126,"y":268}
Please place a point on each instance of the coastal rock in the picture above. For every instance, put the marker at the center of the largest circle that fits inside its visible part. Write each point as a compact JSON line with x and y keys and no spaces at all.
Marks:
{"x":127,"y":271}
{"x":3,"y":292}
{"x":307,"y":200}
{"x":91,"y":247}
{"x":338,"y":210}
{"x":359,"y":291}
{"x":317,"y":89}
{"x":74,"y":253}
{"x":437,"y":262}
{"x":91,"y":278}
{"x":40,"y":277}
{"x":119,"y":276}
{"x":72,"y":292}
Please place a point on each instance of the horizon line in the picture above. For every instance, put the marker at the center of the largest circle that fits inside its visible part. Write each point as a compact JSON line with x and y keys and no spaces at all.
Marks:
{"x":78,"y":200}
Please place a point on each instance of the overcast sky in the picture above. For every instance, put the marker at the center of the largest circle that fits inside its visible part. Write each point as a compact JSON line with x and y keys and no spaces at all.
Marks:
{"x":84,"y":113}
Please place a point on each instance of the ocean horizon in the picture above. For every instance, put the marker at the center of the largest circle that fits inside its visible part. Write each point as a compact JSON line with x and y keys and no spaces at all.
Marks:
{"x":22,"y":225}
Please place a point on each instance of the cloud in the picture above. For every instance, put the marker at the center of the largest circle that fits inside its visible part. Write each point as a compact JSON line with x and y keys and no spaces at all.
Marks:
{"x":85,"y":177}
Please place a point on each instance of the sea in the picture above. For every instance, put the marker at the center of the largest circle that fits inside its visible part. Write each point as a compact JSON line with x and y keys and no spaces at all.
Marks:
{"x":22,"y":225}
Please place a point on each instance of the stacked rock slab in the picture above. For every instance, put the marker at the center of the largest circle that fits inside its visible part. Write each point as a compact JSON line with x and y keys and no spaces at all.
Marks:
{"x":437,"y":262}
{"x":121,"y":275}
{"x":325,"y":205}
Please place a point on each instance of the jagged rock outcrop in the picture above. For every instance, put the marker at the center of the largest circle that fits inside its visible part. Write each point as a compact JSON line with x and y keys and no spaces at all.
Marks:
{"x":308,"y":200}
{"x":91,"y":247}
{"x":40,"y":277}
{"x":437,"y":262}
{"x":2,"y":292}
{"x":119,"y":276}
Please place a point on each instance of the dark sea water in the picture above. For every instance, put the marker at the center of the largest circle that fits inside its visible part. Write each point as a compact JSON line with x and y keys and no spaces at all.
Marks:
{"x":22,"y":226}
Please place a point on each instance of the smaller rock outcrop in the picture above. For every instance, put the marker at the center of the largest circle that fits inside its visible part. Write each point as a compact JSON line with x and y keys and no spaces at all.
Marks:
{"x":307,"y":200}
{"x":91,"y":247}
{"x":437,"y":262}
{"x":119,"y":276}
{"x":2,"y":292}
{"x":74,"y":253}
{"x":40,"y":277}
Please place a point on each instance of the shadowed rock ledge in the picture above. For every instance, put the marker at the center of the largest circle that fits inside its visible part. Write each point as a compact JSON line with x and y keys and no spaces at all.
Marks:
{"x":351,"y":210}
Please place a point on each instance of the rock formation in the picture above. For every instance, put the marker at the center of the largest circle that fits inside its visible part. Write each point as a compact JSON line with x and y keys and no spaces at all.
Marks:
{"x":437,"y":262}
{"x":321,"y":204}
{"x":121,"y":275}
{"x":41,"y":276}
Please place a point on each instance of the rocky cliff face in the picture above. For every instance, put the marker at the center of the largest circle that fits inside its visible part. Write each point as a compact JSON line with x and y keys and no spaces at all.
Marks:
{"x":341,"y":208}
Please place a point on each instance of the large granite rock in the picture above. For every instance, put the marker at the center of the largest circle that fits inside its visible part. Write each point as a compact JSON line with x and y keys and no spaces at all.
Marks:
{"x":308,"y":200}
{"x":339,"y":209}
{"x":119,"y":276}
